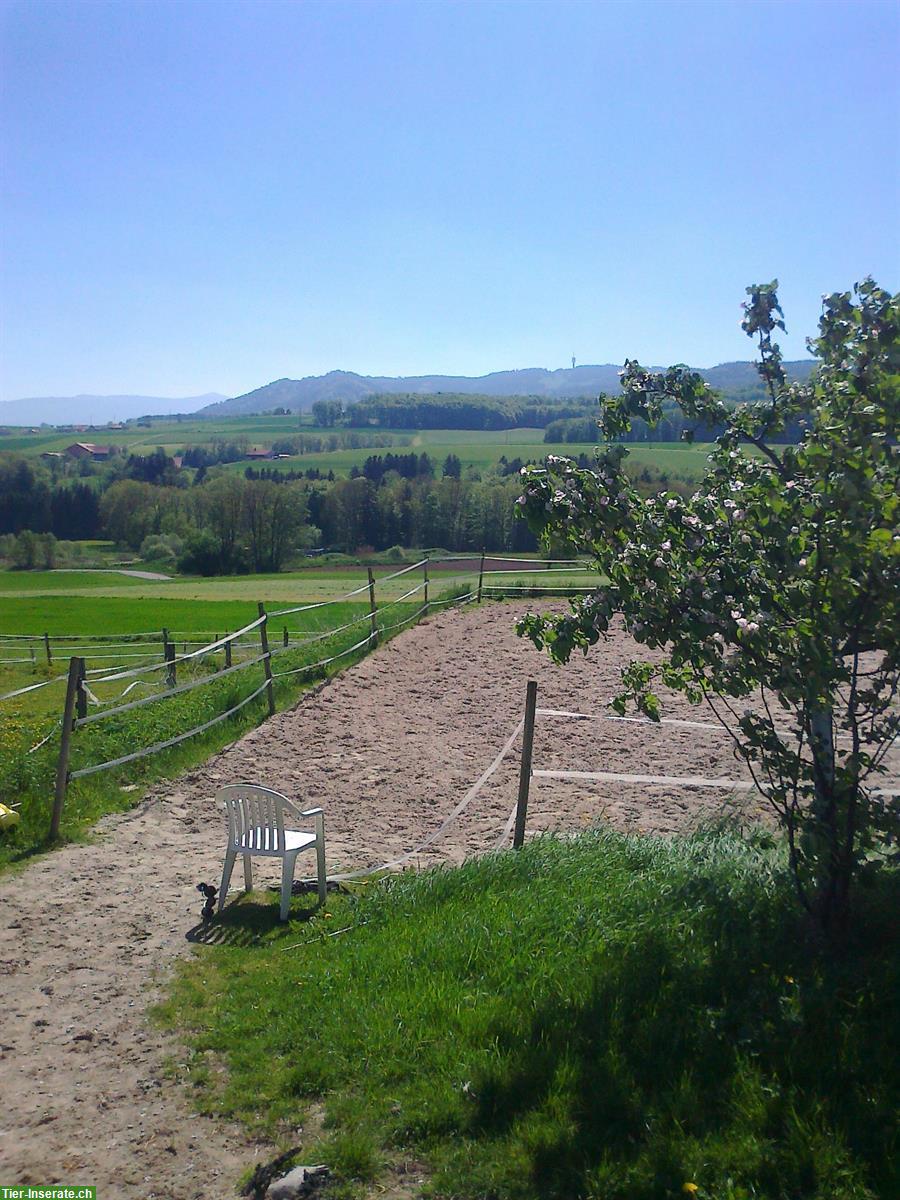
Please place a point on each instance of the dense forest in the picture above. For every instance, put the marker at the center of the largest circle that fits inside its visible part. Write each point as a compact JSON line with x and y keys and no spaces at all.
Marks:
{"x":450,"y":411}
{"x":227,"y":523}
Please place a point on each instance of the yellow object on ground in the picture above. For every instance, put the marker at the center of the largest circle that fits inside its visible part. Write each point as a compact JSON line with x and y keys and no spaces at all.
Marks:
{"x":8,"y":817}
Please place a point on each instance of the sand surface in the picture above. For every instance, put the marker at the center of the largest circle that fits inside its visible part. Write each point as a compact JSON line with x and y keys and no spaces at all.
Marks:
{"x":88,"y":934}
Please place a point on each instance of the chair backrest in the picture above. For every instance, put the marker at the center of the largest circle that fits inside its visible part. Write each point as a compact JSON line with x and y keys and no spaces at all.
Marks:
{"x":255,"y":817}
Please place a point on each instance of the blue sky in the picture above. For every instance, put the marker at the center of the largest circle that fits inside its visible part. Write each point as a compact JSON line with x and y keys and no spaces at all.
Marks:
{"x":208,"y":195}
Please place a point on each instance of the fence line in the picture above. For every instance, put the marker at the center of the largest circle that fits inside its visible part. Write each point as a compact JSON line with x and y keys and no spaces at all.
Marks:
{"x":619,"y":777}
{"x":32,"y":687}
{"x":557,"y":712}
{"x":76,"y":637}
{"x":453,"y":600}
{"x":175,"y":691}
{"x":532,"y":587}
{"x":182,"y":658}
{"x":545,"y":571}
{"x":324,"y":661}
{"x":173,"y":741}
{"x":285,"y":612}
{"x":400,"y":599}
{"x":519,"y":813}
{"x":79,"y":693}
{"x":321,"y":637}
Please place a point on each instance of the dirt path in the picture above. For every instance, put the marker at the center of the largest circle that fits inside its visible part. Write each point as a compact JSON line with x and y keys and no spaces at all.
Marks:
{"x":111,"y":571}
{"x":88,"y":934}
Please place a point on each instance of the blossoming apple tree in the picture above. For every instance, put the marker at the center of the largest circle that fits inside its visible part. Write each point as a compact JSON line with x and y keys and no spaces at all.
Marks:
{"x":773,"y":590}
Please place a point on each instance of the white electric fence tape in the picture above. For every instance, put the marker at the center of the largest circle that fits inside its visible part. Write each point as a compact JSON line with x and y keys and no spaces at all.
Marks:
{"x":448,"y":820}
{"x":167,"y":694}
{"x":173,"y":741}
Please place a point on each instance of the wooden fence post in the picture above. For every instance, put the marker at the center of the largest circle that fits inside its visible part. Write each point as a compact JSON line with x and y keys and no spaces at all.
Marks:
{"x":480,"y":577}
{"x":286,"y":637}
{"x":171,"y":672}
{"x":76,"y":666}
{"x":267,"y":662}
{"x":47,"y":649}
{"x":425,"y":572}
{"x":80,"y":693}
{"x":373,"y":611}
{"x":228,"y":654}
{"x":525,"y":768}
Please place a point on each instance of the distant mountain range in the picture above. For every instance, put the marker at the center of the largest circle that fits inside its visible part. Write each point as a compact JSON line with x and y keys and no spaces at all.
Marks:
{"x":299,"y":395}
{"x":734,"y":379}
{"x":97,"y":410}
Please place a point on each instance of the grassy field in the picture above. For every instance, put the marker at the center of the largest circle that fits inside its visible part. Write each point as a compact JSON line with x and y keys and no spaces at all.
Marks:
{"x":482,"y":450}
{"x":33,"y":598}
{"x":33,"y":583}
{"x":608,"y":1018}
{"x":167,"y":433}
{"x":478,"y":449}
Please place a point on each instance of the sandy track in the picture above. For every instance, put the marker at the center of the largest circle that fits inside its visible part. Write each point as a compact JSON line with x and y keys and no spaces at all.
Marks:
{"x":88,"y":934}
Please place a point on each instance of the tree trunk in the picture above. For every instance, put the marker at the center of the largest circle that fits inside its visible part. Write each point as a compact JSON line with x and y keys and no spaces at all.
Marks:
{"x":824,"y":825}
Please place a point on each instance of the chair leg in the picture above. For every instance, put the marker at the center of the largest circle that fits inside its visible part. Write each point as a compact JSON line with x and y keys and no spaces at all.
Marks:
{"x":320,"y":859}
{"x":248,"y":874}
{"x":287,"y":880}
{"x":226,"y":877}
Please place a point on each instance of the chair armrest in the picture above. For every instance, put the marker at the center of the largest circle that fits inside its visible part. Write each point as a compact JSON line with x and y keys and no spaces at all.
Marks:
{"x":300,"y":812}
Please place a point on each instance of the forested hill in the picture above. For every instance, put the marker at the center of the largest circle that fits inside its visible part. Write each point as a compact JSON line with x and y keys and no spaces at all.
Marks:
{"x":738,"y":380}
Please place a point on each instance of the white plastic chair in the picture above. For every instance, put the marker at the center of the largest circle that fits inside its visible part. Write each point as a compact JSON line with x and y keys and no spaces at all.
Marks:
{"x":256,"y":826}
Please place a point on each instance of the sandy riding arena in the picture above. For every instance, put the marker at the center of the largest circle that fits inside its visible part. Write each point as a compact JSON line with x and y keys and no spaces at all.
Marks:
{"x":389,"y":749}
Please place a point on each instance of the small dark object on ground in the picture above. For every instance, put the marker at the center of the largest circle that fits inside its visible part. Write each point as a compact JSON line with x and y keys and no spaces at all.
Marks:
{"x":300,"y":887}
{"x":209,"y":908}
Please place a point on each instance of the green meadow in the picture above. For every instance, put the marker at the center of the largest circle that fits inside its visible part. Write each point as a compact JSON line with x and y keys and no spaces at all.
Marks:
{"x":480,"y":450}
{"x":164,"y":432}
{"x":604,"y":1018}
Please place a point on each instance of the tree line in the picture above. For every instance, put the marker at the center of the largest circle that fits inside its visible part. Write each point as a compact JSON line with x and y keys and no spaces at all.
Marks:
{"x":461,"y":411}
{"x":673,"y":426}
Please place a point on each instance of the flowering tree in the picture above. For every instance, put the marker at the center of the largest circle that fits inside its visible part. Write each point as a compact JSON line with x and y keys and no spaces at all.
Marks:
{"x":773,"y":591}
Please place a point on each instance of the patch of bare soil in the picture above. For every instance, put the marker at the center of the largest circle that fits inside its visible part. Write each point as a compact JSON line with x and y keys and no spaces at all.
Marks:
{"x":88,"y":934}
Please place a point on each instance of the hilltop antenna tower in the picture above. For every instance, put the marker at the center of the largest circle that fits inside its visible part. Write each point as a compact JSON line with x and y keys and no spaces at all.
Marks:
{"x":573,"y":362}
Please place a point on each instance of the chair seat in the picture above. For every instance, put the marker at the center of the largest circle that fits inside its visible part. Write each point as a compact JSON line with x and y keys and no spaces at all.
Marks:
{"x":293,"y":840}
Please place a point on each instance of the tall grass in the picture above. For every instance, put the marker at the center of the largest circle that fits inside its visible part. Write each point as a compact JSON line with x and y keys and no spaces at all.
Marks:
{"x":610,"y":1018}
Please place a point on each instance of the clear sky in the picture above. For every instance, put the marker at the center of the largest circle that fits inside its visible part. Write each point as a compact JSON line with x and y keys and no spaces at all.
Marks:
{"x":207,"y":195}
